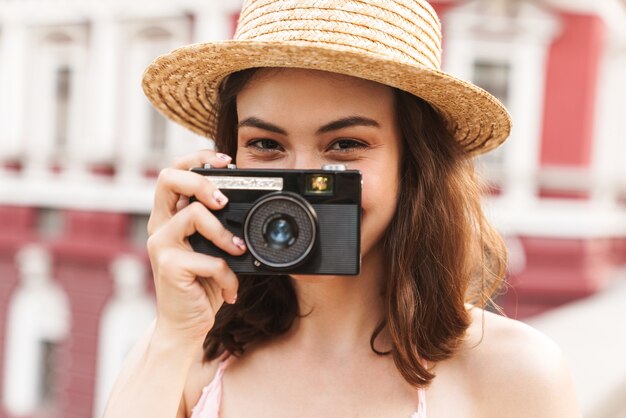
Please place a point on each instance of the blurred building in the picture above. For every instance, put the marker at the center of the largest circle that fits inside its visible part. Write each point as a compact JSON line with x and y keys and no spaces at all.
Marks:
{"x":558,"y":184}
{"x":80,"y":148}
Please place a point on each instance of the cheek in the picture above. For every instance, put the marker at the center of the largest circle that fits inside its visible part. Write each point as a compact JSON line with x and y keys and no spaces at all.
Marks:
{"x":379,"y":206}
{"x":380,"y":196}
{"x":242,"y":158}
{"x":245,"y":161}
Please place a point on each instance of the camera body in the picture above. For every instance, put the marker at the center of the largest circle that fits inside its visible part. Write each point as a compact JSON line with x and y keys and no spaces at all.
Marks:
{"x":292,"y":221}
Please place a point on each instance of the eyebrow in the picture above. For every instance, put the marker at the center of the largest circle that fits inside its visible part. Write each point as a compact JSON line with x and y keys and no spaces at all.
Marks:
{"x":332,"y":126}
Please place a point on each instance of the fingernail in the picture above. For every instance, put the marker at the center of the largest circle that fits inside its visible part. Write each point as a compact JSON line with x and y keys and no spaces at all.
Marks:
{"x":220,"y":198}
{"x":233,"y":300}
{"x":223,"y":157}
{"x":239,"y":242}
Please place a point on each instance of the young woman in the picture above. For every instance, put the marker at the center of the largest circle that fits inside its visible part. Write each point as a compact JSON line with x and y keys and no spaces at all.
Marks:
{"x":315,"y":82}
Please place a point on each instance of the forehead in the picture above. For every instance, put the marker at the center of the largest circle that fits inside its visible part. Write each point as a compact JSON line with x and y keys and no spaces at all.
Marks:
{"x":285,"y":91}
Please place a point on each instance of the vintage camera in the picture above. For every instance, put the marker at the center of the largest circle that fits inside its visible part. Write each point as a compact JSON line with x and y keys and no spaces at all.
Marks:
{"x":293,"y":221}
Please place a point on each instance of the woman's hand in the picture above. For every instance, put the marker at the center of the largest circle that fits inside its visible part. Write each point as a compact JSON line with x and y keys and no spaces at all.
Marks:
{"x":190,"y":286}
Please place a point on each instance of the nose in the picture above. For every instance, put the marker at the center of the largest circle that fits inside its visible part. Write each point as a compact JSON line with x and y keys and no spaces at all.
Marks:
{"x":306,"y":160}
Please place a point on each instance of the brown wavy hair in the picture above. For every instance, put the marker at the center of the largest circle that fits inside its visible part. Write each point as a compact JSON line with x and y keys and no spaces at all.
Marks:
{"x":443,"y":251}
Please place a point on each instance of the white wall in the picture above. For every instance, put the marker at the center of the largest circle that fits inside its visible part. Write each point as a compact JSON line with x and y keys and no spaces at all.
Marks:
{"x":109,"y":123}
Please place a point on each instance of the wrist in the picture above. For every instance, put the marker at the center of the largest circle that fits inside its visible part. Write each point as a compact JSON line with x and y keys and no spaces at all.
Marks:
{"x":168,"y":340}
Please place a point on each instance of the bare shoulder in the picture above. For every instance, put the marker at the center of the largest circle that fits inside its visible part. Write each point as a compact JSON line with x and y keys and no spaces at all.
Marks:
{"x":519,"y":371}
{"x":200,"y":374}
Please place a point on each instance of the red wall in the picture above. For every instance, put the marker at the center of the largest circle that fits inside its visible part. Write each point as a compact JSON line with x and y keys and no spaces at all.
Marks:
{"x":442,"y":7}
{"x":81,"y":255}
{"x":16,"y":230}
{"x":571,"y":89}
{"x":558,"y":271}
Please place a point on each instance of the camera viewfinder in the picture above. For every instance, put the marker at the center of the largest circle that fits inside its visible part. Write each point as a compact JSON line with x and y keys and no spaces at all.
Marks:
{"x":319,"y":184}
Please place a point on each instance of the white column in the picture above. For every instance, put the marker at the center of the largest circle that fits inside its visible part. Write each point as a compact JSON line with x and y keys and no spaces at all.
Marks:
{"x":40,"y":103}
{"x":182,"y":141}
{"x":103,"y":92}
{"x":12,"y":70}
{"x":133,"y":147}
{"x":459,"y":55}
{"x":527,"y":89}
{"x":609,"y":146}
{"x":213,"y":21}
{"x":38,"y":312}
{"x":123,"y":320}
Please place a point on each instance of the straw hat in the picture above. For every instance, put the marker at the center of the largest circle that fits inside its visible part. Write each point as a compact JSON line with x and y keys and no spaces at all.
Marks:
{"x":394,"y":42}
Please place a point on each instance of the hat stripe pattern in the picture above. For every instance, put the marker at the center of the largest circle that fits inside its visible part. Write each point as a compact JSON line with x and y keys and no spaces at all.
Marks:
{"x":359,"y":38}
{"x":396,"y":8}
{"x":358,"y":34}
{"x":393,"y":42}
{"x":361,"y":22}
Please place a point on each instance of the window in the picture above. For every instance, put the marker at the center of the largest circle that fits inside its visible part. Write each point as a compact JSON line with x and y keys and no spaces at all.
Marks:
{"x":48,"y":380}
{"x":156,"y":41}
{"x":157,"y":135}
{"x":62,"y":108}
{"x":493,"y":76}
{"x":147,"y":131}
{"x":51,"y":223}
{"x":58,"y":59}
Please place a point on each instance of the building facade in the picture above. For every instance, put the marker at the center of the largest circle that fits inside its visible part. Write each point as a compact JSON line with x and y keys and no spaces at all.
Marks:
{"x":80,"y":148}
{"x":557,"y":185}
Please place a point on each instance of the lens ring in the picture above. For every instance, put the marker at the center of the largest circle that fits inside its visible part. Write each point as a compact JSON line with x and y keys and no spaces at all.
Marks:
{"x":271,"y":207}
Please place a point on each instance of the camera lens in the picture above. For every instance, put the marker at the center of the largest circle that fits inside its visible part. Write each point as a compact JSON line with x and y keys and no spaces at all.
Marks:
{"x":280,"y":232}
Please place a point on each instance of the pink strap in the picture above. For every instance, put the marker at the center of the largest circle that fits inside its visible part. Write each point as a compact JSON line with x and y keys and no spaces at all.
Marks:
{"x":208,"y":405}
{"x":421,"y":398}
{"x":421,"y":404}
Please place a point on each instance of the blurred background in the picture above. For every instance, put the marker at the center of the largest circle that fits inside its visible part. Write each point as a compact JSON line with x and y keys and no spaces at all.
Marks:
{"x":80,"y":148}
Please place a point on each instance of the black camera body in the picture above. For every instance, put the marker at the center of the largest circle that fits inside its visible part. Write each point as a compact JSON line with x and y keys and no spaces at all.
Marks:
{"x":292,"y":221}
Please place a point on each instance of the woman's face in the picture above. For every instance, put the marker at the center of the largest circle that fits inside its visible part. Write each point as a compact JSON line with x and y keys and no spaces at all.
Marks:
{"x":303,"y":119}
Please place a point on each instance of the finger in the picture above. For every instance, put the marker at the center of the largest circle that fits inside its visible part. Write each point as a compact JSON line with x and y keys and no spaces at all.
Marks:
{"x":183,"y":201}
{"x":212,"y":290}
{"x":217,"y":277}
{"x":216,"y":295}
{"x":210,"y":271}
{"x":197,"y":218}
{"x":171,"y":185}
{"x":199,"y":158}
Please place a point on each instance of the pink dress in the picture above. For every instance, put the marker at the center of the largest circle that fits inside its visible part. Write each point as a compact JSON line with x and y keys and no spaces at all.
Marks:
{"x":208,"y":405}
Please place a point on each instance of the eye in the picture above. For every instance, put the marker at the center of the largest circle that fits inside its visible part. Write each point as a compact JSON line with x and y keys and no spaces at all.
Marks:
{"x":346,"y":145}
{"x":264,"y":145}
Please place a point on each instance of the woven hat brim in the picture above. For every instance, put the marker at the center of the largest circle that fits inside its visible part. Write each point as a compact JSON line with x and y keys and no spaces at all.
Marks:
{"x":183,"y":85}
